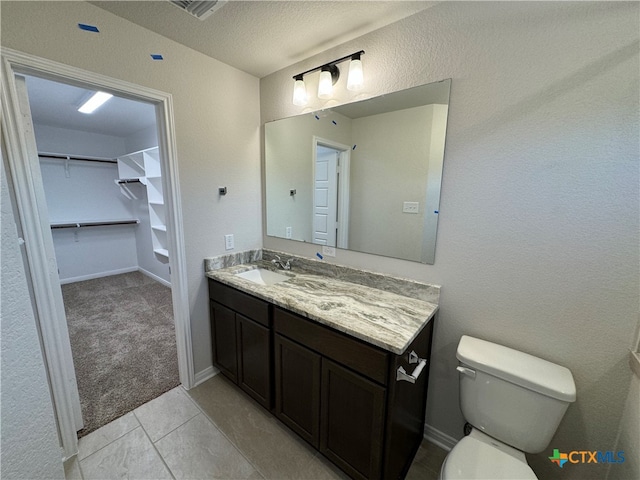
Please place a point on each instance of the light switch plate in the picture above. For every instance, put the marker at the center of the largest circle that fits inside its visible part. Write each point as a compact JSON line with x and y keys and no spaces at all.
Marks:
{"x":228,"y":242}
{"x":410,"y":207}
{"x":328,"y":251}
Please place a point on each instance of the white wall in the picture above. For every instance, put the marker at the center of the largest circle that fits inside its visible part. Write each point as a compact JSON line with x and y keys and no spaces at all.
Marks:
{"x":142,"y":139}
{"x":29,"y":439}
{"x":537,"y":242}
{"x":389,"y":167}
{"x":65,"y":141}
{"x":88,"y":194}
{"x":217,"y":124}
{"x":629,"y":436}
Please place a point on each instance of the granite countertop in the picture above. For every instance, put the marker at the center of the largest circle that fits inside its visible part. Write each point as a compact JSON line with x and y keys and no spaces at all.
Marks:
{"x":388,"y":320}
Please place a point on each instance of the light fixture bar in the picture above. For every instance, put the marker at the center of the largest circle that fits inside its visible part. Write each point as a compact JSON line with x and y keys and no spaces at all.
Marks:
{"x":96,"y":100}
{"x":329,"y":64}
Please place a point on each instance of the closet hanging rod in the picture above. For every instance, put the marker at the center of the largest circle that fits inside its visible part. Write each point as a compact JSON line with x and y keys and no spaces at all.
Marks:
{"x":70,"y":157}
{"x":94,"y":224}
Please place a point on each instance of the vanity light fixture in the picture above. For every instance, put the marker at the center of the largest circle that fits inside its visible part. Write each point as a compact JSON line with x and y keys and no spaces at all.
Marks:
{"x":329,"y":74}
{"x":355,"y":80}
{"x":299,"y":91}
{"x":96,"y":100}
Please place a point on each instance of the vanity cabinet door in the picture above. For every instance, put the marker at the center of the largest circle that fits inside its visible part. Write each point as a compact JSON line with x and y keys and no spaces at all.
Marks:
{"x":352,"y":421}
{"x":298,"y":388}
{"x":254,"y":359}
{"x":223,"y":333}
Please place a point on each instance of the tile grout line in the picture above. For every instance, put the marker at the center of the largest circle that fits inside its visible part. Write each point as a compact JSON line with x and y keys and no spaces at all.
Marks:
{"x":153,"y":445}
{"x":170,"y":431}
{"x":115,"y":439}
{"x":222,"y":432}
{"x":80,"y":470}
{"x":111,"y":442}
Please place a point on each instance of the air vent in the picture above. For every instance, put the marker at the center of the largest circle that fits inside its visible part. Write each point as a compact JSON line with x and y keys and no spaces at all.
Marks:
{"x":199,"y":9}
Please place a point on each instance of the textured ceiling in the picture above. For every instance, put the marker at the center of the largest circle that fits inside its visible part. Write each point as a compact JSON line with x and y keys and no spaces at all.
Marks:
{"x":261,"y":37}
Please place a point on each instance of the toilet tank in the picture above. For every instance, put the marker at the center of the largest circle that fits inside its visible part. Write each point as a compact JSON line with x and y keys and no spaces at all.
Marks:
{"x":512,"y":396}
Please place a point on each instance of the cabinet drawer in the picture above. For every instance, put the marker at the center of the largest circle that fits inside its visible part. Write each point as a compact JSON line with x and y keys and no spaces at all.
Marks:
{"x":252,"y":307}
{"x":355,"y":354}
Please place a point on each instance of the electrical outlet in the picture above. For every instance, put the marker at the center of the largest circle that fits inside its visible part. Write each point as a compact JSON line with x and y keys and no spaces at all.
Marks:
{"x":410,"y":207}
{"x":228,"y":242}
{"x":288,"y":234}
{"x":328,"y":251}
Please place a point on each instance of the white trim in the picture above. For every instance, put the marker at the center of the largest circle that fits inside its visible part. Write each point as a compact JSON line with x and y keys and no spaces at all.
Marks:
{"x":45,"y":281}
{"x":441,"y":439}
{"x":204,"y":375}
{"x":154,"y":277}
{"x":119,"y":271}
{"x":93,"y":276}
{"x":42,"y":266}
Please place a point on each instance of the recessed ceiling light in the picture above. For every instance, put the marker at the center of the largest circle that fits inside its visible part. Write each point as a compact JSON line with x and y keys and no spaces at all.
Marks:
{"x":96,"y":100}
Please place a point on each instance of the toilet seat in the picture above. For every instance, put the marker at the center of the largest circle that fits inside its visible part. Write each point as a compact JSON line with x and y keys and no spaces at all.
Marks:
{"x":478,"y":456}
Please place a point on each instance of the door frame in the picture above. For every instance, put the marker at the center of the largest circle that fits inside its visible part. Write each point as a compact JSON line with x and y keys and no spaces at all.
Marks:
{"x":344,"y":186}
{"x":38,"y":240}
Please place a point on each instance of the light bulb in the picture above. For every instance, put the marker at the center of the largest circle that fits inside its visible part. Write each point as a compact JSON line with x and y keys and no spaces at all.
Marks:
{"x":94,"y":102}
{"x":299,"y":92}
{"x":355,"y":80}
{"x":325,"y":85}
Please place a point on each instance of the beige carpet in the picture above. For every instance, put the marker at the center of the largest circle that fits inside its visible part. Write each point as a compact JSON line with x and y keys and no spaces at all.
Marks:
{"x":123,"y":343}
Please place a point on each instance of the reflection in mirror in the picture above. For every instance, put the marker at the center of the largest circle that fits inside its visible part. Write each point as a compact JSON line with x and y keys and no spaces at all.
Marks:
{"x":363,"y":176}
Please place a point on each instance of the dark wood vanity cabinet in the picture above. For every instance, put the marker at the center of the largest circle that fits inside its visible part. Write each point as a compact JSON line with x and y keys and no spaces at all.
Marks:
{"x":338,"y":393}
{"x":341,"y":395}
{"x":242,"y":340}
{"x":297,"y":388}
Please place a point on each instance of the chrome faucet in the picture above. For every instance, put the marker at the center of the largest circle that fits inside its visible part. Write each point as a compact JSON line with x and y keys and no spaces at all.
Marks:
{"x":278,"y":262}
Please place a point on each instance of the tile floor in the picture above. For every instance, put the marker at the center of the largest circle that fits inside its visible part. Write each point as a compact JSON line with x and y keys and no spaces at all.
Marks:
{"x":213,"y":431}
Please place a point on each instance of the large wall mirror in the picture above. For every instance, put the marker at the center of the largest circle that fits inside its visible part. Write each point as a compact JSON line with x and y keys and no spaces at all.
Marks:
{"x":364,"y":176}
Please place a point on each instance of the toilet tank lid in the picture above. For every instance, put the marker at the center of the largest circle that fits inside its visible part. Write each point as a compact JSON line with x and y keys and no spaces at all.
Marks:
{"x":518,"y":367}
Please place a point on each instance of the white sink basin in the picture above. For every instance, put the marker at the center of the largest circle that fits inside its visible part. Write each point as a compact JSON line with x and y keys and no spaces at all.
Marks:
{"x":262,"y":276}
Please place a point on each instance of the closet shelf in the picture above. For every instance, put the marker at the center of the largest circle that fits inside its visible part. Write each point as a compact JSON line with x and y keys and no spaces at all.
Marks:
{"x":161,"y":228}
{"x":98,"y":223}
{"x":162,"y":252}
{"x":156,"y":203}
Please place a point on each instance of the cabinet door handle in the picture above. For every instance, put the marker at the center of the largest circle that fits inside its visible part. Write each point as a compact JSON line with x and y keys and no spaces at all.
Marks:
{"x":401,"y":373}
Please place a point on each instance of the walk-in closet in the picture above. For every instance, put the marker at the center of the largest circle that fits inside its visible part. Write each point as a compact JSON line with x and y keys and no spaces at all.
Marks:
{"x":103,"y":183}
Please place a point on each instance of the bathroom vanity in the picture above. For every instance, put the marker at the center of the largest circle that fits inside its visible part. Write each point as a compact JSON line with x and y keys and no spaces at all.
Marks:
{"x":343,"y":364}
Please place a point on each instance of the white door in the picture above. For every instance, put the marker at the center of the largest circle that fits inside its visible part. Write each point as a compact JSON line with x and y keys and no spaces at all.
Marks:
{"x":50,"y":308}
{"x":325,"y":196}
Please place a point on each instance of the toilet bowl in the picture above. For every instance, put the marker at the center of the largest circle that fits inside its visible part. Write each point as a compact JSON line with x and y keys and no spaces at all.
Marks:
{"x":479,"y":456}
{"x":514,"y":403}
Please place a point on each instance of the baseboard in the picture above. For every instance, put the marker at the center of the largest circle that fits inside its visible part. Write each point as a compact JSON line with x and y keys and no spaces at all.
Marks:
{"x":82,"y":278}
{"x":154,"y":276}
{"x":441,"y":439}
{"x":204,"y":375}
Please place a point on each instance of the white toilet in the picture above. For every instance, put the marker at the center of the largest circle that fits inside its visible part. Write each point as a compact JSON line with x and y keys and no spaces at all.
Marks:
{"x":514,"y":403}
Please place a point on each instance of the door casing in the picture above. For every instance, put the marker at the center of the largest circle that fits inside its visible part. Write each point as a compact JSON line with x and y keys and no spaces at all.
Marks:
{"x":342,"y":239}
{"x":30,"y":198}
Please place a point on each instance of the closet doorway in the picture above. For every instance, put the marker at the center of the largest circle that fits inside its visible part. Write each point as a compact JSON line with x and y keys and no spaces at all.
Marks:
{"x":33,"y":226}
{"x":103,"y":186}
